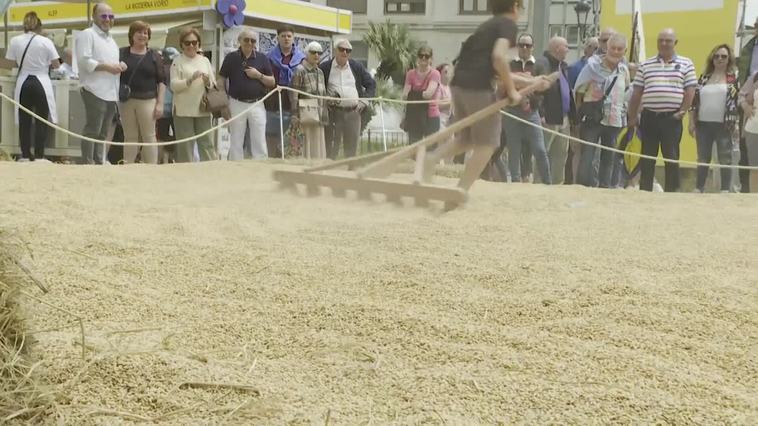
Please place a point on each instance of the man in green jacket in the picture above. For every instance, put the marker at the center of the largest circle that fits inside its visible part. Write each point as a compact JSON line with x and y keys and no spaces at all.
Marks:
{"x":748,"y":60}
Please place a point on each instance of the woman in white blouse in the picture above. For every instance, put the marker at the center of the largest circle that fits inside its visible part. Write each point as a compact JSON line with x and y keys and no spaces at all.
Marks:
{"x":34,"y":55}
{"x":715,"y":117}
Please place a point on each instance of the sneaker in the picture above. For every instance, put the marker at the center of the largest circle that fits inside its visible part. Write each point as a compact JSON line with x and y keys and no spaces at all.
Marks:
{"x":23,"y":160}
{"x":43,"y":161}
{"x":697,"y":191}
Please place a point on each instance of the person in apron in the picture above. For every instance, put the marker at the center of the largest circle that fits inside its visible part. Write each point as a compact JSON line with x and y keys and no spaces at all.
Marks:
{"x":35,"y":55}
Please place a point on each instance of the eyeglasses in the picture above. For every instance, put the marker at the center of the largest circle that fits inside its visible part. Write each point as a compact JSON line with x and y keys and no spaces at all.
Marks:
{"x":720,"y":56}
{"x":424,"y":56}
{"x":314,"y":53}
{"x":525,"y":45}
{"x":190,"y":43}
{"x":344,"y":49}
{"x":107,"y":17}
{"x":249,"y":40}
{"x":603,"y":40}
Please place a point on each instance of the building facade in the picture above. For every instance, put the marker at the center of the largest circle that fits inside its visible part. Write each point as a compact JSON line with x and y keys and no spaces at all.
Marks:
{"x":445,"y":24}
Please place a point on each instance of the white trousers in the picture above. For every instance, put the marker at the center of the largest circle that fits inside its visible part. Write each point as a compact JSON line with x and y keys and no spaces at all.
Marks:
{"x":253,"y":120}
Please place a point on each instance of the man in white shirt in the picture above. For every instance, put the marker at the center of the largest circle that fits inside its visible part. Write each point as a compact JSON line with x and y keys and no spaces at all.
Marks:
{"x":349,"y":80}
{"x":99,"y":75}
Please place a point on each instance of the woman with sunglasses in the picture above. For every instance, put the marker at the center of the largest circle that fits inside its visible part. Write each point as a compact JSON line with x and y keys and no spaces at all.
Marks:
{"x":309,"y":78}
{"x":422,"y":84}
{"x":715,"y":116}
{"x":191,"y":75}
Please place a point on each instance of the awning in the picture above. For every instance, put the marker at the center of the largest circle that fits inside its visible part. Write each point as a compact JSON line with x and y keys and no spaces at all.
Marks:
{"x":159,"y":32}
{"x":301,"y":14}
{"x":74,"y":13}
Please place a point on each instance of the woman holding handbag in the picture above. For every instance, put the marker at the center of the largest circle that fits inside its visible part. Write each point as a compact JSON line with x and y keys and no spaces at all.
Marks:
{"x":34,"y":54}
{"x":422,"y":84}
{"x":310,"y":113}
{"x":191,"y":76}
{"x":141,"y":94}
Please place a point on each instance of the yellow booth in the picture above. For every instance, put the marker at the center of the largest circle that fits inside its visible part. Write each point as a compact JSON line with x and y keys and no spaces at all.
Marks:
{"x":61,"y":20}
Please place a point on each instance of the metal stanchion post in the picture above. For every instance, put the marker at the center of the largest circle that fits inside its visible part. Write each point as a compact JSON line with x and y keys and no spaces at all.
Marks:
{"x":384,"y":128}
{"x":281,"y":121}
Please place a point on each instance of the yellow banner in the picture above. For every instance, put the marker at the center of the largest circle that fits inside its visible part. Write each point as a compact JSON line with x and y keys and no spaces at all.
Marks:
{"x":302,"y":14}
{"x":700,"y":26}
{"x":312,"y":16}
{"x":54,"y":12}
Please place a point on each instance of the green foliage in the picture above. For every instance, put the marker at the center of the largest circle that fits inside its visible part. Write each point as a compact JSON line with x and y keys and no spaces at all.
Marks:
{"x":395,"y":47}
{"x":387,"y":90}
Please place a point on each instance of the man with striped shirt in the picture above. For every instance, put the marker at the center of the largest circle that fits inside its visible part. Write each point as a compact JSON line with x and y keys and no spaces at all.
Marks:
{"x":664,"y":87}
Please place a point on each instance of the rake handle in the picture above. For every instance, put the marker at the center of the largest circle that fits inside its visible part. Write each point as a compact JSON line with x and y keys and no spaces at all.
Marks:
{"x":385,"y":166}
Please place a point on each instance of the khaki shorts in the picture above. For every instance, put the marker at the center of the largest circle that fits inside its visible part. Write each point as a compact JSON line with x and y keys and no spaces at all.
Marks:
{"x":484,"y":132}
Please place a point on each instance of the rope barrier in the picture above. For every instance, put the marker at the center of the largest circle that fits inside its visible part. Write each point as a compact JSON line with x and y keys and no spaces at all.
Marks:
{"x":619,"y":151}
{"x":375,"y":99}
{"x":166,"y":143}
{"x":381,"y":100}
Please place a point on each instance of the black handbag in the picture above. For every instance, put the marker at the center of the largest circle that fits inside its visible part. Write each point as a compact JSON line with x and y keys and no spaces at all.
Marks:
{"x":125,"y":90}
{"x":592,"y":112}
{"x":416,"y":114}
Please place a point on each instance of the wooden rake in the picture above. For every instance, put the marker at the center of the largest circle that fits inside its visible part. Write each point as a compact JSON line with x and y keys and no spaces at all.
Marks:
{"x":368,"y":173}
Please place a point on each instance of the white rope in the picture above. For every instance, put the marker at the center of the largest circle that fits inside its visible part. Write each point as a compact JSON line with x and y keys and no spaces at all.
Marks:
{"x":619,"y":151}
{"x":377,"y":99}
{"x":279,"y":89}
{"x":85,"y":138}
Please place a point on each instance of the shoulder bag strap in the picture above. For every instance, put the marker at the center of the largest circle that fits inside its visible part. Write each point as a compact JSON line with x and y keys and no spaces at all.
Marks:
{"x":136,"y":67}
{"x":608,"y":90}
{"x":23,"y":56}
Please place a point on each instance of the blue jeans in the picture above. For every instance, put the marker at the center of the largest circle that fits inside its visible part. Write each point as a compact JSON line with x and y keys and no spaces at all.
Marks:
{"x":515,"y":134}
{"x":707,"y":134}
{"x":595,"y":168}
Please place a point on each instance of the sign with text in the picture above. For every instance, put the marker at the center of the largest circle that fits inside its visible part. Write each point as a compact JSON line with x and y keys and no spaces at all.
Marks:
{"x":56,"y":12}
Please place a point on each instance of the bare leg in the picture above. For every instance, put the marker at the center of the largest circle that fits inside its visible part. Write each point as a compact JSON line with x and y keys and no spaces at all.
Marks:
{"x":450,"y":149}
{"x":475,"y":164}
{"x":753,"y":180}
{"x":479,"y":159}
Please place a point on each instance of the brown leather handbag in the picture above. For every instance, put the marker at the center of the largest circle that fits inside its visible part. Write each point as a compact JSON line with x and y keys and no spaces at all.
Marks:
{"x":216,"y":102}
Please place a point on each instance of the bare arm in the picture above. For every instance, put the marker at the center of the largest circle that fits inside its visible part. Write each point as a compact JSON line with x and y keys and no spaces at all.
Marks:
{"x":431,"y":89}
{"x":268,"y":81}
{"x":500,"y":62}
{"x":689,"y":96}
{"x":406,"y":90}
{"x":161,"y":93}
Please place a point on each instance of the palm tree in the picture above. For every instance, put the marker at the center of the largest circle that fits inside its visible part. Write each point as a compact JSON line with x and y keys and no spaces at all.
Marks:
{"x":395,"y":47}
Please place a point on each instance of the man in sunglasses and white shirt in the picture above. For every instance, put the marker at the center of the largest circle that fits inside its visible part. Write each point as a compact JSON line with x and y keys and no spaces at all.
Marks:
{"x":100,"y":71}
{"x":347,"y":79}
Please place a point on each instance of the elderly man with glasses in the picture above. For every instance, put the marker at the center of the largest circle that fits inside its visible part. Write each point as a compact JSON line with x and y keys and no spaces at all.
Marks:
{"x":249,"y":76}
{"x":349,"y":80}
{"x":99,"y":76}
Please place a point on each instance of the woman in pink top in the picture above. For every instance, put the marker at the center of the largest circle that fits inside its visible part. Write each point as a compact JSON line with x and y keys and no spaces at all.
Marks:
{"x":422,"y":84}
